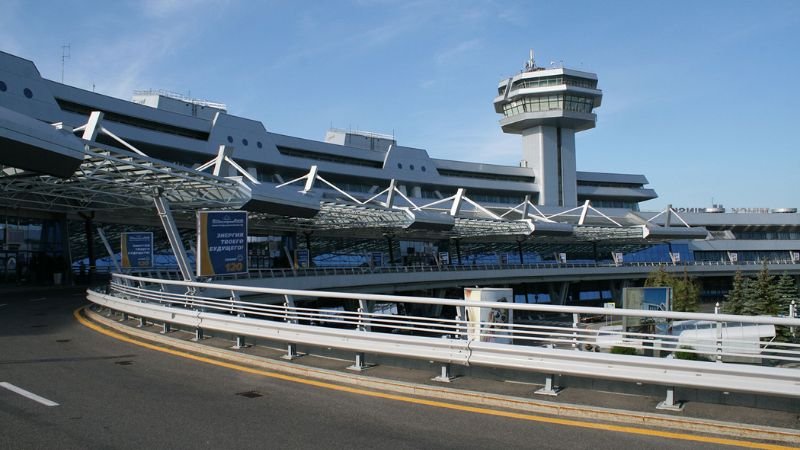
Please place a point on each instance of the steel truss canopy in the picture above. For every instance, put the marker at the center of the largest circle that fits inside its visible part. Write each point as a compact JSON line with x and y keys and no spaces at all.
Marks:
{"x":47,"y":167}
{"x":114,"y":179}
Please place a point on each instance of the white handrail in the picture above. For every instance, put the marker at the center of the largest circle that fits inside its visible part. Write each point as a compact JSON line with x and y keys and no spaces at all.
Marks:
{"x":549,"y":346}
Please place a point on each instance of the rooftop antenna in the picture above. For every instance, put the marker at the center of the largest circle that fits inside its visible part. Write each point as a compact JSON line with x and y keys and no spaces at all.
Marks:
{"x":65,"y":53}
{"x":530,"y":64}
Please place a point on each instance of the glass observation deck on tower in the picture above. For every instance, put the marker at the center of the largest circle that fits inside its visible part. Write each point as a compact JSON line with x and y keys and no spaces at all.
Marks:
{"x":554,"y":96}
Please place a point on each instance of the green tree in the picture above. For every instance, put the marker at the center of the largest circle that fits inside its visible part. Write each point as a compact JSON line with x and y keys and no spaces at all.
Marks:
{"x":685,"y":291}
{"x":786,"y":291}
{"x":734,"y":299}
{"x":766,"y":292}
{"x":759,"y":295}
{"x":659,"y":277}
{"x":750,"y":300}
{"x":685,"y":294}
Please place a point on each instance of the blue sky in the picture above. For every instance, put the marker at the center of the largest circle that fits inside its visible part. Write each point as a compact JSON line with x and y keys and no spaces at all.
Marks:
{"x":698,"y":96}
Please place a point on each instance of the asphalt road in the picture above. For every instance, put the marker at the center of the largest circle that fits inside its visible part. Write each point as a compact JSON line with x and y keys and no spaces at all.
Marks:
{"x":113,"y":394}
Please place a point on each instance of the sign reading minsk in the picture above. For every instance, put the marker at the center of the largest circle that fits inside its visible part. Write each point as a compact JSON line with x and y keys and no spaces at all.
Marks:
{"x":221,"y":242}
{"x":136,"y":250}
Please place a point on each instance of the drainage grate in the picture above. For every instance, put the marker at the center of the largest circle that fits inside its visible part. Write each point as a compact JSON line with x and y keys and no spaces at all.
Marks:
{"x":123,"y":363}
{"x":38,"y":326}
{"x":250,"y":394}
{"x":63,"y":340}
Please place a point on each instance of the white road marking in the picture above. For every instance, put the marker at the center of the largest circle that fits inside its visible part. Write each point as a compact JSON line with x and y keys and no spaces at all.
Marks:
{"x":27,"y":394}
{"x":3,"y":304}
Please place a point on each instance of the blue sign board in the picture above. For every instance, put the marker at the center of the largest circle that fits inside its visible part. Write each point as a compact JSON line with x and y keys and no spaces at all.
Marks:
{"x":221,"y":242}
{"x":136,"y":250}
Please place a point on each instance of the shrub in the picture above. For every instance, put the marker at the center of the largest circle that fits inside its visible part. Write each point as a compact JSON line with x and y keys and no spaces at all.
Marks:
{"x":623,"y":350}
{"x":688,"y":355}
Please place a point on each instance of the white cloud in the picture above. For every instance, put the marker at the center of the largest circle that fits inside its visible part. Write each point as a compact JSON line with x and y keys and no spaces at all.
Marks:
{"x":162,"y":9}
{"x":451,"y":54}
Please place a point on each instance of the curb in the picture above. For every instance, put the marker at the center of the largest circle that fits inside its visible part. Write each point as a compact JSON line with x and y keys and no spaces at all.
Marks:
{"x":706,"y":426}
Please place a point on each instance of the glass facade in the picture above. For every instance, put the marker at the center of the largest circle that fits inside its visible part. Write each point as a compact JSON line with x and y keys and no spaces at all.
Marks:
{"x":31,"y":250}
{"x":598,"y":203}
{"x":744,"y":255}
{"x":767,"y":235}
{"x":549,"y":103}
{"x":554,"y":81}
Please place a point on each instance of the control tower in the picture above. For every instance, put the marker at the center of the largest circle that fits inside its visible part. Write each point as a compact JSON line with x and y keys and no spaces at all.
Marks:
{"x":547,"y":106}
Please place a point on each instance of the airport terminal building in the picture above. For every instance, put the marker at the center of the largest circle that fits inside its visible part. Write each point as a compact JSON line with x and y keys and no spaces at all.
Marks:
{"x":71,"y":160}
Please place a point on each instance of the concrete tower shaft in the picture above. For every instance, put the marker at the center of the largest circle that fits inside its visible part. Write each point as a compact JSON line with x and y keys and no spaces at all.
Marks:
{"x":547,"y":107}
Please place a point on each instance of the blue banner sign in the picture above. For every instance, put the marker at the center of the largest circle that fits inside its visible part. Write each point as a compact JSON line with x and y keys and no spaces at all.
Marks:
{"x":136,"y":250}
{"x":221,"y":242}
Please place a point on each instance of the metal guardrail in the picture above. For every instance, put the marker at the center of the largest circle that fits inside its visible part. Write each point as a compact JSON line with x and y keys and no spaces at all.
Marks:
{"x":172,"y":273}
{"x":336,"y":271}
{"x":543,"y":342}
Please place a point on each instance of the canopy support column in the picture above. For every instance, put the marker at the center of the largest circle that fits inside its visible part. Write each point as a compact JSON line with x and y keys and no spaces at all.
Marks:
{"x":165,"y":214}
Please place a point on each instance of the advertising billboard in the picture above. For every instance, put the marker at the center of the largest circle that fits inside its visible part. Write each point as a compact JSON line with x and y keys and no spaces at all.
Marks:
{"x":221,"y":242}
{"x":136,"y":250}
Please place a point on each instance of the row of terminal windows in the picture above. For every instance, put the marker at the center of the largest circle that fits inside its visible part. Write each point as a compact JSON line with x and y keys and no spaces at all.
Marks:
{"x":767,"y":235}
{"x":486,"y":176}
{"x":85,"y":110}
{"x":550,"y":81}
{"x":328,"y":157}
{"x":549,"y":103}
{"x":497,"y":198}
{"x":609,"y":184}
{"x":744,"y":255}
{"x":634,"y":206}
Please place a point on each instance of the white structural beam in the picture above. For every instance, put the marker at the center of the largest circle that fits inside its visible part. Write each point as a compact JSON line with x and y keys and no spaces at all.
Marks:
{"x":174,"y":237}
{"x":391,"y":193}
{"x":92,"y":127}
{"x":455,"y":208}
{"x":109,"y":250}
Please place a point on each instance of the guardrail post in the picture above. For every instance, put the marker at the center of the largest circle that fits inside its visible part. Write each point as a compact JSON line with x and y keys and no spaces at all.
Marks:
{"x":719,"y":335}
{"x":240,"y":343}
{"x":576,"y":319}
{"x":124,"y":317}
{"x":165,"y":328}
{"x":142,"y":322}
{"x":360,"y":364}
{"x":198,"y":334}
{"x":461,"y":322}
{"x":549,"y":386}
{"x":363,"y":323}
{"x":669,"y":402}
{"x":236,"y":306}
{"x":793,"y":314}
{"x":291,"y":347}
{"x":445,"y":376}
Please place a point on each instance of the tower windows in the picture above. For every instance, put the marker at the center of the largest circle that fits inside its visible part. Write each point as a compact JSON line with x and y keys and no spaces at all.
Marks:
{"x":549,"y":103}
